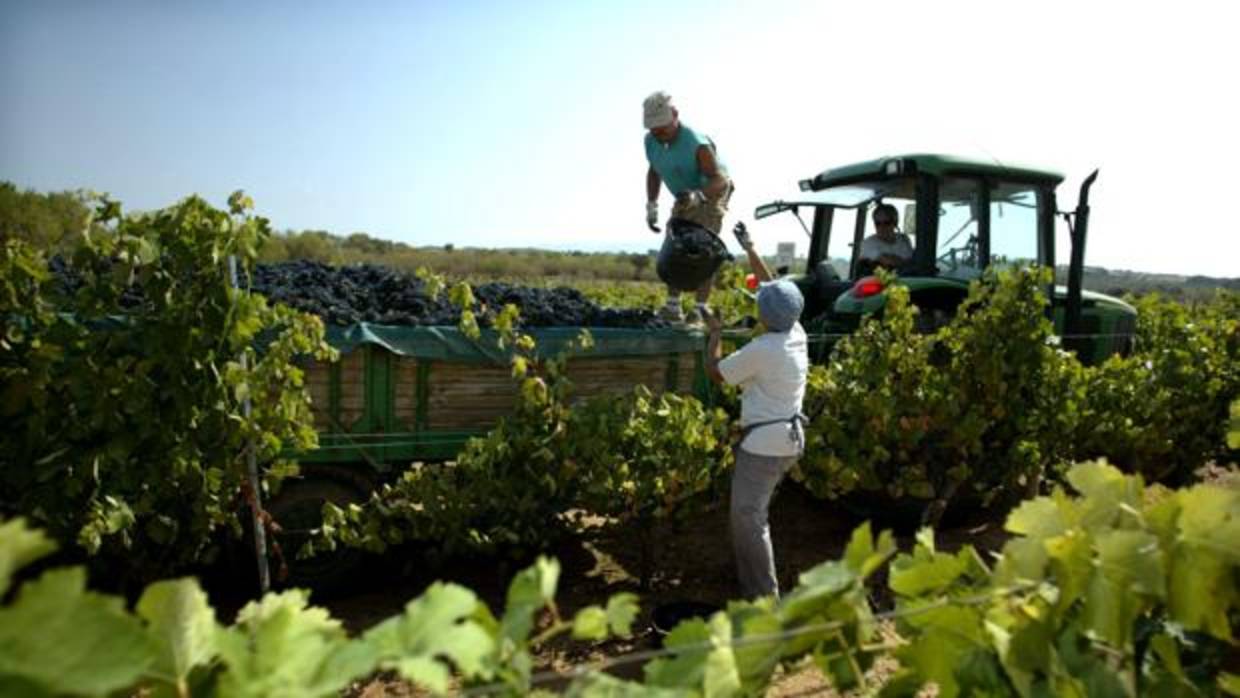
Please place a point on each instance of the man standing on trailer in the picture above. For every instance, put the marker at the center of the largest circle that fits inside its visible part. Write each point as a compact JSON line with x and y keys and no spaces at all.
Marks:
{"x":771,"y":371}
{"x":685,"y":160}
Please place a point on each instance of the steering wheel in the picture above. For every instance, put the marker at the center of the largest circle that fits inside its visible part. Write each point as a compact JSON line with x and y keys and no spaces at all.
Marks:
{"x":968,"y":256}
{"x":868,"y":267}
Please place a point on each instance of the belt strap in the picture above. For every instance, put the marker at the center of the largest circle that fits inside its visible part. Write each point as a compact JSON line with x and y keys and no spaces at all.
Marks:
{"x":798,"y":422}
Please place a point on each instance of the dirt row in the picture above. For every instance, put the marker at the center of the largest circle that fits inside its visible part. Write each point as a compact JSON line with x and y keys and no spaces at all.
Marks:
{"x":692,"y":561}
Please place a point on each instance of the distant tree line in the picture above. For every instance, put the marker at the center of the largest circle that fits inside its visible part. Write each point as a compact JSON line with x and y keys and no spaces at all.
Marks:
{"x":1120,"y":282}
{"x":54,"y":221}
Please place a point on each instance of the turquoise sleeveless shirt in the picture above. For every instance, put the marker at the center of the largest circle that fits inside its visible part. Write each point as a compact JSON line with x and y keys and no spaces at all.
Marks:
{"x":676,"y":163}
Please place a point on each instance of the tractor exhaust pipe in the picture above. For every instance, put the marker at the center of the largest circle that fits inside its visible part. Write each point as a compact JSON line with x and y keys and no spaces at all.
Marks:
{"x":1078,"y":226}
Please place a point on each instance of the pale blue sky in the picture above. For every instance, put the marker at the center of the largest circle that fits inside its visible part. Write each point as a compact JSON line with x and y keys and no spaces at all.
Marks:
{"x":502,"y":124}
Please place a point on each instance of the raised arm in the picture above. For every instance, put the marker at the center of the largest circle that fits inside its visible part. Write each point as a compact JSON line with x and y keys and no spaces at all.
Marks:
{"x":759,"y":267}
{"x":714,"y":346}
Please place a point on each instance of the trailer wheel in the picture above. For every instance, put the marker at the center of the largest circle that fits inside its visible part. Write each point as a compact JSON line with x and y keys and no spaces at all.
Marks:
{"x":297,"y":508}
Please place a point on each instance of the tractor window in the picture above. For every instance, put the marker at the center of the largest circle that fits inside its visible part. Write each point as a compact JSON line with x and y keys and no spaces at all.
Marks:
{"x":957,"y":252}
{"x":841,"y":248}
{"x":1014,"y":225}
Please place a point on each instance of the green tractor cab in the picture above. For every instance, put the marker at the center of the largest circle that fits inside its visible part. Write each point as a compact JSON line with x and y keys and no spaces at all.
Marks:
{"x":960,"y":217}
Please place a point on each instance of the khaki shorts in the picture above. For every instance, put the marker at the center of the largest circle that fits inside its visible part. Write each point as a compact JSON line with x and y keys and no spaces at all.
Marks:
{"x":709,"y":215}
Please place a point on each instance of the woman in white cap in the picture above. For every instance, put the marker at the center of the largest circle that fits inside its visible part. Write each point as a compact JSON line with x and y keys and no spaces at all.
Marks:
{"x":685,"y":160}
{"x":771,"y":371}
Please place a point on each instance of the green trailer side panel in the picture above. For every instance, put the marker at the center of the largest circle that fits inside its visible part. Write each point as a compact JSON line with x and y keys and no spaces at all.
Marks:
{"x":368,"y":424}
{"x":423,"y":393}
{"x":333,"y":409}
{"x":450,"y":344}
{"x":426,"y":366}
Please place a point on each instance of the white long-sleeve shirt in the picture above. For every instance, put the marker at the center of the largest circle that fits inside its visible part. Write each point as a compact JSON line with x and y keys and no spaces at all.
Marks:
{"x":771,"y":371}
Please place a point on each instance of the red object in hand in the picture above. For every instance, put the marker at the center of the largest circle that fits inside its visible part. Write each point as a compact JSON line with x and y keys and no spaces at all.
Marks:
{"x":751,"y":282}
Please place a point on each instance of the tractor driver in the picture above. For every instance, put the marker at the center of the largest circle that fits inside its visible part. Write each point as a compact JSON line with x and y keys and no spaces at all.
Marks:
{"x":887,"y":247}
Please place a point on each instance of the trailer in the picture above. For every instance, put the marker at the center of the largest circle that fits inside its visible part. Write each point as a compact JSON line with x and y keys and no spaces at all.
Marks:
{"x":404,"y":394}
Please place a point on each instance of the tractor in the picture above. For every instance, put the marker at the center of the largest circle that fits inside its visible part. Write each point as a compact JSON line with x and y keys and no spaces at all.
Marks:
{"x":961,"y":217}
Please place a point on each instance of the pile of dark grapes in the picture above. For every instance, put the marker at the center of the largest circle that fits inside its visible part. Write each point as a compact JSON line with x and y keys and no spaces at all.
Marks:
{"x":67,"y":281}
{"x":369,"y":293}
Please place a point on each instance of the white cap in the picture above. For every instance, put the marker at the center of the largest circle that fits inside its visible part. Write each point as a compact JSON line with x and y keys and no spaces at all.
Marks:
{"x":657,"y":110}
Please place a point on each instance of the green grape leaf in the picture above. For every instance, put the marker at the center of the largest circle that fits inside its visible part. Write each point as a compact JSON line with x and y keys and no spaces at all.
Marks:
{"x":1071,"y":561}
{"x":721,"y":677}
{"x":759,"y":647}
{"x":943,"y":640}
{"x":20,"y":687}
{"x":1023,"y":643}
{"x":1167,"y":652}
{"x":182,"y":623}
{"x":1205,"y":558}
{"x":1023,"y":560}
{"x":622,"y":610}
{"x":1106,"y":493}
{"x":281,"y":647}
{"x":864,"y":555}
{"x":423,"y":670}
{"x":1037,"y":518}
{"x":702,"y":665}
{"x":1102,"y":681}
{"x":904,"y":684}
{"x":20,"y":546}
{"x":1210,"y":519}
{"x":590,"y":623}
{"x":683,"y":669}
{"x":532,"y":589}
{"x":1201,"y":590}
{"x":437,"y":626}
{"x":66,"y":640}
{"x":816,"y":589}
{"x":1128,"y":577}
{"x":924,"y":572}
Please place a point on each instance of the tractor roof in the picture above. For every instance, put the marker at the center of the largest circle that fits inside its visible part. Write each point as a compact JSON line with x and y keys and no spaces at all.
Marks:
{"x":934,"y":164}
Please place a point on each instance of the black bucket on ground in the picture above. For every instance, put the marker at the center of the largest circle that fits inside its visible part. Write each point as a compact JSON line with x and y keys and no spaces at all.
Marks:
{"x":690,"y":255}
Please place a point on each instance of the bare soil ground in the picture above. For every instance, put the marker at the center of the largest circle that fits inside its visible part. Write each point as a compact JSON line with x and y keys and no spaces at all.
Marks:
{"x":692,"y":561}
